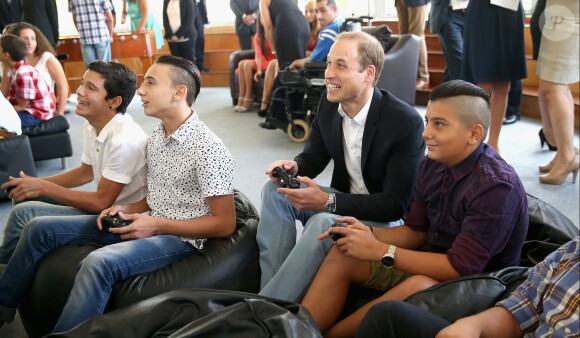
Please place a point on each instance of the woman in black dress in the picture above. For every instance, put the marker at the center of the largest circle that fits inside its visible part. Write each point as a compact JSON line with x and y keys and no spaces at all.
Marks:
{"x":494,"y":55}
{"x":286,"y":29}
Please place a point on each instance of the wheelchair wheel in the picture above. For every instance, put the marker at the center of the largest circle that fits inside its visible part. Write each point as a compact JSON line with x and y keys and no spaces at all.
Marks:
{"x":298,"y":131}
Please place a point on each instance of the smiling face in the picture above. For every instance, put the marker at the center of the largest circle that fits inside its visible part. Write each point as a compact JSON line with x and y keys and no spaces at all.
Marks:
{"x":448,"y":140}
{"x":91,"y":102}
{"x":346,"y":83}
{"x":28,"y":35}
{"x":157,"y":91}
{"x":325,"y":14}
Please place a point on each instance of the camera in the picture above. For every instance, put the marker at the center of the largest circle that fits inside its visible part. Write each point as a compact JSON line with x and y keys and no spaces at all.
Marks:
{"x":114,"y":222}
{"x":285,"y":179}
{"x":336,"y":236}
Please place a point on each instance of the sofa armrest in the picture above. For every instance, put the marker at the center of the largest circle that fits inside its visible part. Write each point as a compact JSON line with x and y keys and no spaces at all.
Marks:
{"x":15,"y":155}
{"x":235,"y":59}
{"x":400,"y":68}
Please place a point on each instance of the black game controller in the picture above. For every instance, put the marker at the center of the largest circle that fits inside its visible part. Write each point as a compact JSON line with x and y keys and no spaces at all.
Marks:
{"x":114,"y":222}
{"x":285,"y":179}
{"x":335,"y":235}
{"x":8,"y":190}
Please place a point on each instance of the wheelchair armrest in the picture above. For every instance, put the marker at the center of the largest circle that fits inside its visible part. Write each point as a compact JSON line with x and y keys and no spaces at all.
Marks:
{"x":315,"y":65}
{"x":235,"y":59}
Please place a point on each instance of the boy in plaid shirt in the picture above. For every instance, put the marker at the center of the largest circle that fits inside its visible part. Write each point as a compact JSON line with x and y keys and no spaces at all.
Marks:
{"x":26,"y":90}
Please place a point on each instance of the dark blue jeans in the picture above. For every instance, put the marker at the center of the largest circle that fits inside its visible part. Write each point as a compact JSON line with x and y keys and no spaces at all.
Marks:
{"x":96,"y":274}
{"x":451,"y":39}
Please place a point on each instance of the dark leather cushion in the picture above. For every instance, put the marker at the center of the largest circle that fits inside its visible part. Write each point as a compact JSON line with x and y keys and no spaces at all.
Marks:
{"x":51,"y":126}
{"x":15,"y":155}
{"x":201,"y":313}
{"x":225,"y":263}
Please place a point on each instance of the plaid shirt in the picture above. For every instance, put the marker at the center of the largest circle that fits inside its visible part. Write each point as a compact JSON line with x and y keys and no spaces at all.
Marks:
{"x":27,"y":83}
{"x":90,"y":20}
{"x":546,"y":304}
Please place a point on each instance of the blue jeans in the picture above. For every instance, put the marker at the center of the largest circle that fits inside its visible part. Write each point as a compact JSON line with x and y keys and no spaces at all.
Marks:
{"x":288,"y":268}
{"x":451,"y":39}
{"x":98,"y":51}
{"x":27,"y":119}
{"x":21,"y":214}
{"x":96,"y":274}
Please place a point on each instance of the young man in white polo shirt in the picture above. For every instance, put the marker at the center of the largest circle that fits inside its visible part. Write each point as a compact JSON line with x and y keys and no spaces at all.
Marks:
{"x":113,"y":157}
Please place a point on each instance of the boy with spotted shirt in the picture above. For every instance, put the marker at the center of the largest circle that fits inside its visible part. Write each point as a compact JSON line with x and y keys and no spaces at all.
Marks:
{"x":190,"y":198}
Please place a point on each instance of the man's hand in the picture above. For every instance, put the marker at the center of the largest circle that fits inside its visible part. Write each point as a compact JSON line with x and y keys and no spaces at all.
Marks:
{"x":143,"y":226}
{"x":298,"y":64}
{"x":24,"y":187}
{"x":248,"y":19}
{"x":309,"y":198}
{"x":358,"y":241}
{"x":288,"y":165}
{"x":173,"y":38}
{"x":112,"y":211}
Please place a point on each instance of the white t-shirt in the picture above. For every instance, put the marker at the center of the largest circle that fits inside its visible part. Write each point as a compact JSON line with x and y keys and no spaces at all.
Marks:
{"x":9,"y":119}
{"x":118,"y":153}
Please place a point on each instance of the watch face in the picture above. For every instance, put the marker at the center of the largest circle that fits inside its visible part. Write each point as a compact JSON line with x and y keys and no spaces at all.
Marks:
{"x":388,"y":261}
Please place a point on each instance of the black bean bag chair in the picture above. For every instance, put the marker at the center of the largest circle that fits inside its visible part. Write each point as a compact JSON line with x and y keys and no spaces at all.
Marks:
{"x":225,"y":263}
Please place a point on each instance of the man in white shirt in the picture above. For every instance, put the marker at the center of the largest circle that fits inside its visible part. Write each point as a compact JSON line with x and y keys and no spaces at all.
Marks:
{"x":113,"y":157}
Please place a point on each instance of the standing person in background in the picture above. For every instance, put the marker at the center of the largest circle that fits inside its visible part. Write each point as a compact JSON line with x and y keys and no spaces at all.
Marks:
{"x":411,"y":19}
{"x":141,"y":19}
{"x":286,"y":29}
{"x":558,"y":67}
{"x":41,"y":56}
{"x":42,"y":14}
{"x":178,"y":17}
{"x":494,"y":55}
{"x":10,"y":12}
{"x":246,"y":12}
{"x":95,"y":22}
{"x":200,"y":22}
{"x":247,"y":68}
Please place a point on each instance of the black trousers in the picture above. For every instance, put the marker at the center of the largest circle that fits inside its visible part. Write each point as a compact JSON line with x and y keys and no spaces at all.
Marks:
{"x":400,"y":319}
{"x":183,"y":49}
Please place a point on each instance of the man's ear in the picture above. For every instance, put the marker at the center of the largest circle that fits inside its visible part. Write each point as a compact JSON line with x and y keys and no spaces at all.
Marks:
{"x":180,"y":93}
{"x":115,"y":102}
{"x":371,"y":70}
{"x":476,"y":133}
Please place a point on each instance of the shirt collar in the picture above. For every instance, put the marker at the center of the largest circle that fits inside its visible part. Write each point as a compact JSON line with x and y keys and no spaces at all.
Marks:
{"x":106,"y":129}
{"x":466,"y":166}
{"x":19,"y":64}
{"x":184,"y":131}
{"x":361,"y":117}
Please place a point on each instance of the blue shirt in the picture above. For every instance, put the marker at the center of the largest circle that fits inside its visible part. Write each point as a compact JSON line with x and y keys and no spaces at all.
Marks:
{"x":326,"y":38}
{"x":476,"y":211}
{"x":546,"y":304}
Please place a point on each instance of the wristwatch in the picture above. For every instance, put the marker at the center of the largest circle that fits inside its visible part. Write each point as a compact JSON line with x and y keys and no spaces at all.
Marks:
{"x":330,"y":205}
{"x":388,"y":260}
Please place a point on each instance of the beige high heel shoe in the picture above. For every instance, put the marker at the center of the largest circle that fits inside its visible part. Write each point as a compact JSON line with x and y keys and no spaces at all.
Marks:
{"x":555,"y":179}
{"x":546,"y":168}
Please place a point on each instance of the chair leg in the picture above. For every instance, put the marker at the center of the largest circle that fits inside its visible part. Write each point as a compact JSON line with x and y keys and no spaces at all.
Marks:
{"x":63,"y":162}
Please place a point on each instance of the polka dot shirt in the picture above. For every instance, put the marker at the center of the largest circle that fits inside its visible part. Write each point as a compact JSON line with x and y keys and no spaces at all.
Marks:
{"x":186,"y":168}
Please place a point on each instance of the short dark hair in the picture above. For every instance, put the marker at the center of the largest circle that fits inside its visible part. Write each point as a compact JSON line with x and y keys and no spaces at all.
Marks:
{"x":15,"y":46}
{"x":329,"y":3}
{"x":458,"y":88}
{"x":184,"y":73}
{"x":119,"y":81}
{"x":470,"y":110}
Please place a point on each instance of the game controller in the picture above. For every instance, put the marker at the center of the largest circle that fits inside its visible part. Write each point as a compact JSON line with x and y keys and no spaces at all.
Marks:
{"x":114,"y":221}
{"x":285,"y":179}
{"x":8,"y":190}
{"x":336,"y":236}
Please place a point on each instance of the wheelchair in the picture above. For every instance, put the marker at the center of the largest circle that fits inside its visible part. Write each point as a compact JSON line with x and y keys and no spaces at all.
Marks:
{"x":295,"y":100}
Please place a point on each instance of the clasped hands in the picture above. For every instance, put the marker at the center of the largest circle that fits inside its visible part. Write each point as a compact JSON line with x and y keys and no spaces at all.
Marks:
{"x":142,"y":226}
